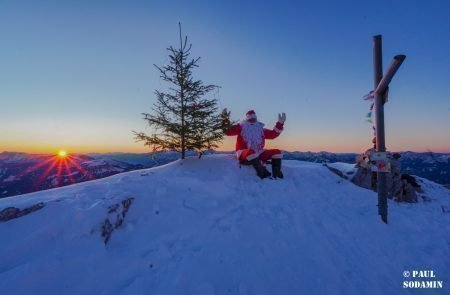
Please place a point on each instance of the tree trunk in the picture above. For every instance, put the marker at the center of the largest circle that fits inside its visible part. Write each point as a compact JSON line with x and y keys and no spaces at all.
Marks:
{"x":181,"y":82}
{"x":183,"y":131}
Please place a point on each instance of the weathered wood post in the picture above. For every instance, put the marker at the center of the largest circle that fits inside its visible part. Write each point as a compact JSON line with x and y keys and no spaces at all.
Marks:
{"x":379,"y":124}
{"x":380,"y":95}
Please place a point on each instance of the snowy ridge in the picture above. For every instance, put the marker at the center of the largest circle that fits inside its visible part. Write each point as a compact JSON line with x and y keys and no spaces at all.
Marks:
{"x":205,"y":226}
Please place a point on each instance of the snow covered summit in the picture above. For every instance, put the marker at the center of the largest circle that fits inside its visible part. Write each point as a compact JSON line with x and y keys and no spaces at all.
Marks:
{"x":206,"y":226}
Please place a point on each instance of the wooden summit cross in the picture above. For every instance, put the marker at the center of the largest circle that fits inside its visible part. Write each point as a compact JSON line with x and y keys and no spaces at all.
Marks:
{"x":380,"y":93}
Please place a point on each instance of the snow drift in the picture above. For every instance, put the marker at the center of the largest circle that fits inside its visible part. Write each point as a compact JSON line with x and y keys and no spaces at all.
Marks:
{"x":205,"y":226}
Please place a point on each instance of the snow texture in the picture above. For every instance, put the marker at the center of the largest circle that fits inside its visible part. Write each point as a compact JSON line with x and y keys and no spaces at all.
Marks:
{"x":206,"y":226}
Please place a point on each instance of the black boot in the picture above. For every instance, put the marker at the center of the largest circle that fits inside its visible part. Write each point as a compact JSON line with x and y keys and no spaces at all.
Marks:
{"x":261,"y":171}
{"x":276,"y":168}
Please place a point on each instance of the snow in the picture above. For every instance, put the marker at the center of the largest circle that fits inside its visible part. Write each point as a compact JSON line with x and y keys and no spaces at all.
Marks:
{"x":105,"y":165}
{"x":345,"y":168}
{"x":9,"y":178}
{"x":206,"y":226}
{"x":95,"y":163}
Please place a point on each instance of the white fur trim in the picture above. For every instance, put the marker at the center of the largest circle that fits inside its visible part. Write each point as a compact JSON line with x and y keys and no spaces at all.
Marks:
{"x":277,"y":156}
{"x":249,"y":157}
{"x":239,"y":153}
{"x":250,"y":116}
{"x":277,"y":130}
{"x":252,"y":156}
{"x":245,"y":122}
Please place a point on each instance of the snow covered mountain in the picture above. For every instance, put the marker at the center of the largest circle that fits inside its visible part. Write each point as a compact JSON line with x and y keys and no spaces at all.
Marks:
{"x":206,"y":226}
{"x":433,"y":166}
{"x":149,"y":160}
{"x":320,"y":157}
{"x":22,"y":173}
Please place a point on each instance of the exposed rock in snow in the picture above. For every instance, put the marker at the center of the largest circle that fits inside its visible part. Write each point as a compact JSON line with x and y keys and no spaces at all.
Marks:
{"x":13,"y":212}
{"x":400,"y":187}
{"x":116,"y":216}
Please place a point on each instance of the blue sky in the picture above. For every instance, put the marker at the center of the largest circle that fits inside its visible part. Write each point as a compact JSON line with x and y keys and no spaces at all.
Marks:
{"x":76,"y":75}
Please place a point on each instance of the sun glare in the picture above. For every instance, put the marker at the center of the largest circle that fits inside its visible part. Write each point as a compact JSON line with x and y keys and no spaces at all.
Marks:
{"x":63,"y":165}
{"x":62,"y":154}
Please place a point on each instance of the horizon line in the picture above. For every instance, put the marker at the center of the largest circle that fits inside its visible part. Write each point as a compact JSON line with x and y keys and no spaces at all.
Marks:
{"x":224,"y":151}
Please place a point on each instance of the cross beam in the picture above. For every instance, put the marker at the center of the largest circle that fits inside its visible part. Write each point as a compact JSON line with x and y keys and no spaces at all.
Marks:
{"x":381,"y":85}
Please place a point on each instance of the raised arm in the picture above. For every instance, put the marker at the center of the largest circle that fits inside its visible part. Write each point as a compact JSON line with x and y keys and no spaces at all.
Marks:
{"x":276,"y":131}
{"x":228,"y":129}
{"x":233,"y":130}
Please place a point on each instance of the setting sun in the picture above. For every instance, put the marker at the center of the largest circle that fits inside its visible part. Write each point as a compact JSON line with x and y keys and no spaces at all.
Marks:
{"x":62,"y":154}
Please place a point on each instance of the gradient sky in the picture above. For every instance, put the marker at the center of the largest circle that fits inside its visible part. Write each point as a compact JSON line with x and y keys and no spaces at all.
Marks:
{"x":77,"y":74}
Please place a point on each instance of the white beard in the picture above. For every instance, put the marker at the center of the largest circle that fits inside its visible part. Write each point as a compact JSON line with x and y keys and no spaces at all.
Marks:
{"x":253,"y":134}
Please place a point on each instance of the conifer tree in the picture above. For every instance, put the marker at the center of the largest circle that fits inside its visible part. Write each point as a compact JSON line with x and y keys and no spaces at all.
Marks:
{"x":183,"y":118}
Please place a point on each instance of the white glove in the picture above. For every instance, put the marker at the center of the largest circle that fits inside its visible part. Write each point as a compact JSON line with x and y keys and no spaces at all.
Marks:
{"x":282,"y":118}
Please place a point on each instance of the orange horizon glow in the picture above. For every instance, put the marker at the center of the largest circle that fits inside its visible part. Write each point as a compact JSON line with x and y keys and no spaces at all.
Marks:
{"x":301,"y":140}
{"x":63,"y":154}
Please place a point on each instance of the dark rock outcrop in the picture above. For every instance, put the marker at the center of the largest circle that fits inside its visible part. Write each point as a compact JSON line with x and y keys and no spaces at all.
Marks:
{"x":401,"y":187}
{"x":116,"y":217}
{"x":13,"y":212}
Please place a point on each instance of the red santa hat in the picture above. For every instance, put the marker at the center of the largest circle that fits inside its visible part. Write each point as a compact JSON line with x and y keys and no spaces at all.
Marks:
{"x":250,"y":115}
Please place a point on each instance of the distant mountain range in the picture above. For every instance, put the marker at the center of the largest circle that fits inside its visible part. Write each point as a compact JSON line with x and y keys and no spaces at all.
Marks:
{"x":433,"y":166}
{"x":22,"y":173}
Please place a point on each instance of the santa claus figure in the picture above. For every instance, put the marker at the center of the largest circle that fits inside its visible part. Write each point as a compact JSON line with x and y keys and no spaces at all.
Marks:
{"x":251,"y":136}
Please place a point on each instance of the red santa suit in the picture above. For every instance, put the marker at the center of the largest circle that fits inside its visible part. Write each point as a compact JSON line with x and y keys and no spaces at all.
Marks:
{"x":251,"y":138}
